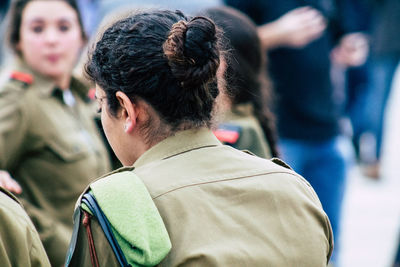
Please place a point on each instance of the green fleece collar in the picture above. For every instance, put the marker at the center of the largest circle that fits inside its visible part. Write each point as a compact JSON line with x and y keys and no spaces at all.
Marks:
{"x":134,"y":218}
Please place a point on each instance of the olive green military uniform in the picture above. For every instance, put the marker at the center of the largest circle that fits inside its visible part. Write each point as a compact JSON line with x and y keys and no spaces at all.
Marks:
{"x":250,"y":134}
{"x":224,"y":207}
{"x":52,"y":149}
{"x":104,"y":253}
{"x":20,"y":244}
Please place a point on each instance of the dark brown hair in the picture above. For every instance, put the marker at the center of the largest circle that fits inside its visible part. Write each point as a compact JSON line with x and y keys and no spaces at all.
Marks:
{"x":15,"y":20}
{"x":246,"y":80}
{"x":165,"y":59}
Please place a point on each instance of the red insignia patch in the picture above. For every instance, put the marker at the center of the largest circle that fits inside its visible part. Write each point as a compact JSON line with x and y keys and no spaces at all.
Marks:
{"x":22,"y":77}
{"x":92,"y":93}
{"x":226,"y":136}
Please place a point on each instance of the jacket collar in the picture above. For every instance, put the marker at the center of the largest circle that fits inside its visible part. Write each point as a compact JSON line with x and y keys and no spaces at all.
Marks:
{"x":46,"y":86}
{"x":245,"y":109}
{"x":181,"y":142}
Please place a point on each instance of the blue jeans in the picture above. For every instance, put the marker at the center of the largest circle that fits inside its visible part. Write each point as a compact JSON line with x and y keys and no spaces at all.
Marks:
{"x":381,"y":71}
{"x":324,"y":164}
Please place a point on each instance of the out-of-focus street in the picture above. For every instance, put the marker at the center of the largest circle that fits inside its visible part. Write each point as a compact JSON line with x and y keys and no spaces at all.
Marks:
{"x":371,"y":215}
{"x":371,"y":221}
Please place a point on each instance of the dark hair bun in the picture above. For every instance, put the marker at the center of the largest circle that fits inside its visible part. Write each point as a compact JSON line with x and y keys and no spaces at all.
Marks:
{"x":192,"y":51}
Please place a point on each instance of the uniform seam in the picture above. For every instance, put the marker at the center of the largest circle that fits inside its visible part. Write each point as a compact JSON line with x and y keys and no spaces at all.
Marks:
{"x":187,"y":149}
{"x":148,"y":159}
{"x":224,"y":180}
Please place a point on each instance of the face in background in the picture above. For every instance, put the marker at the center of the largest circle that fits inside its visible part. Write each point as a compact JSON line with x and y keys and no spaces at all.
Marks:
{"x":50,"y":38}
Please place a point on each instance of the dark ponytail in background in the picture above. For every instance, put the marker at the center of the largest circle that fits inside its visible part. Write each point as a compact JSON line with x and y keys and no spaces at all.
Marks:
{"x":246,"y":80}
{"x":164,"y":58}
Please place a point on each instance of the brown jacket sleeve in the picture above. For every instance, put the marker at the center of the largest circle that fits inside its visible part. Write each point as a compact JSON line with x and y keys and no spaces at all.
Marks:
{"x":54,"y":235}
{"x":19,"y":242}
{"x":13,"y":125}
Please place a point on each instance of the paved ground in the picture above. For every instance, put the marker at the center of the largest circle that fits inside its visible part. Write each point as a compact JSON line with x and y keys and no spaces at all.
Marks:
{"x":371,"y":219}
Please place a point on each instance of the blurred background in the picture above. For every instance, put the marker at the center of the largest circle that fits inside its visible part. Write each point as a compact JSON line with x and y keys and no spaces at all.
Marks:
{"x":356,"y":45}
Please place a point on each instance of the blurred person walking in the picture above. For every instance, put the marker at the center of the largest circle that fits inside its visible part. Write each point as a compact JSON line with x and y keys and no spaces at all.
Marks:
{"x":299,"y":37}
{"x":246,"y":121}
{"x":48,"y":139}
{"x":94,"y":12}
{"x":385,"y":56}
{"x":156,"y":84}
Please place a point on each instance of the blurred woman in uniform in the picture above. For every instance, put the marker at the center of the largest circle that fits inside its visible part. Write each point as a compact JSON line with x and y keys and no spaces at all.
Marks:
{"x":49,"y":142}
{"x":156,"y":85}
{"x":246,"y":121}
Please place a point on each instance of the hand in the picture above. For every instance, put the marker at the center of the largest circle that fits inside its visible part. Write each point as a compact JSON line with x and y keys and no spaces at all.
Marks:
{"x":352,"y":50}
{"x":296,"y":29}
{"x":9,"y":183}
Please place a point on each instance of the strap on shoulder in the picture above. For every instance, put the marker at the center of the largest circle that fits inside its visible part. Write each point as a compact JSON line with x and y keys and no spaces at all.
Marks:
{"x":72,"y":244}
{"x":281,"y":163}
{"x":90,"y":201}
{"x":8,"y":193}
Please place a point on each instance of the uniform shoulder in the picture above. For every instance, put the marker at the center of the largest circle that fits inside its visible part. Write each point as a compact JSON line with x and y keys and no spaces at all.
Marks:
{"x":274,"y":167}
{"x":290,"y":175}
{"x":115,"y":174}
{"x":15,"y":98}
{"x":10,"y":206}
{"x":281,"y":163}
{"x":228,"y":133}
{"x":244,"y":126}
{"x":4,"y":191}
{"x":24,"y":78}
{"x":15,"y":83}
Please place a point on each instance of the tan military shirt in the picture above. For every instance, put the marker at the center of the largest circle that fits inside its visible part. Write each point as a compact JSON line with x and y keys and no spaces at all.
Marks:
{"x":19,"y":242}
{"x":250,"y":134}
{"x":224,"y":207}
{"x":53,"y":150}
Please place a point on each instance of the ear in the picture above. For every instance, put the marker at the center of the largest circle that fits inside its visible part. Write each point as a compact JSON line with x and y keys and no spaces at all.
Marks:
{"x":129,"y":111}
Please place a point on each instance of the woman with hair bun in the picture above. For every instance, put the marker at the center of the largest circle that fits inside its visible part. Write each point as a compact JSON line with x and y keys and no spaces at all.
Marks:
{"x":183,"y":198}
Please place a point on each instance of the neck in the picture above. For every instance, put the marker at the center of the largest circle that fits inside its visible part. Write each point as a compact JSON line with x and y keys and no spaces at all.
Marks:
{"x":223,"y":106}
{"x":63,"y":82}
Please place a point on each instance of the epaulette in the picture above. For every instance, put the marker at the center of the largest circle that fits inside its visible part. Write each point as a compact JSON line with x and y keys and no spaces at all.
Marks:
{"x":25,"y":78}
{"x":8,"y":193}
{"x":228,"y":133}
{"x":281,"y":163}
{"x":92,"y":94}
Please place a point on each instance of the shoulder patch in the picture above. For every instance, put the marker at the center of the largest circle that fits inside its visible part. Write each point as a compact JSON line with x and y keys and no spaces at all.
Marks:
{"x":281,"y":163}
{"x":228,"y":133}
{"x":25,"y":78}
{"x":8,"y":193}
{"x":91,"y":93}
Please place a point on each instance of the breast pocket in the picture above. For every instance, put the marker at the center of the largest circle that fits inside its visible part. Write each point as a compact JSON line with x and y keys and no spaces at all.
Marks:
{"x":69,"y":147}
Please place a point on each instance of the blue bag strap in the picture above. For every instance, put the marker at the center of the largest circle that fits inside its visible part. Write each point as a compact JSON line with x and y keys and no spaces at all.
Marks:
{"x":72,"y":244}
{"x":91,"y":203}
